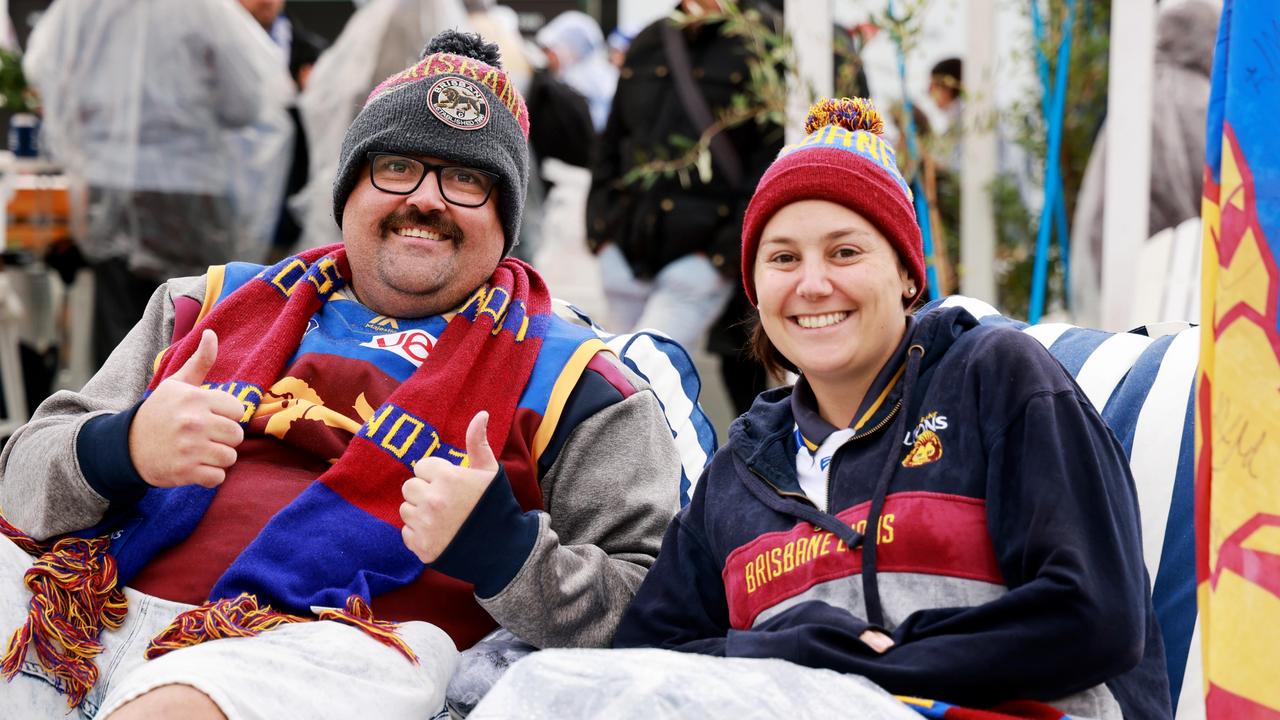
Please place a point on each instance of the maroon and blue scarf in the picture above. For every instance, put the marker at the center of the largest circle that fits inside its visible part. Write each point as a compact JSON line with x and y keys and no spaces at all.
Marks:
{"x":338,"y":544}
{"x":1013,"y":710}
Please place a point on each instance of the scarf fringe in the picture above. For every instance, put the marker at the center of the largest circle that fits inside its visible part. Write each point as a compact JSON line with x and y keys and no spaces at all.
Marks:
{"x":244,"y":616}
{"x":28,"y":544}
{"x":240,"y":616}
{"x":73,"y":598}
{"x":359,"y":615}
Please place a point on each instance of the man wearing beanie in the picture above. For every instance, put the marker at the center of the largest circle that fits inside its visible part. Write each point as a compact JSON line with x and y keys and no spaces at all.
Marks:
{"x":300,"y":490}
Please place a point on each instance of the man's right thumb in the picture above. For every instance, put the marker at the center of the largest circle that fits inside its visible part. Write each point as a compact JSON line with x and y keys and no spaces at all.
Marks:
{"x":197,"y":366}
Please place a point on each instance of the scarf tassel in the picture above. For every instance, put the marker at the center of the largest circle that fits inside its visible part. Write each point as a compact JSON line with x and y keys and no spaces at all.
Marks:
{"x":359,"y":615}
{"x":73,"y":598}
{"x":240,"y":616}
{"x":243,"y":616}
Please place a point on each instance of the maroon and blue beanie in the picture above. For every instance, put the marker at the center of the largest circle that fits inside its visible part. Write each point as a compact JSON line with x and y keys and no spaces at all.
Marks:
{"x":843,"y":159}
{"x":456,"y":104}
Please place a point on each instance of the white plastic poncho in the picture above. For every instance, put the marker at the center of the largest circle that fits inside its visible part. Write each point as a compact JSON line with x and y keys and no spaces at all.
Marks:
{"x":655,"y":684}
{"x":584,"y":60}
{"x":1185,"y":38}
{"x":156,"y":96}
{"x":381,"y":38}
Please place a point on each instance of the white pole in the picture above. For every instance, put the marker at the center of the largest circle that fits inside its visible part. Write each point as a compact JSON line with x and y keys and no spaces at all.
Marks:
{"x":1128,"y":168}
{"x":977,"y":220}
{"x":810,"y":25}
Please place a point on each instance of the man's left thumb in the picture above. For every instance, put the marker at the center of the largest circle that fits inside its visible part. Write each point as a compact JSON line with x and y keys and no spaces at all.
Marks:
{"x":478,"y":451}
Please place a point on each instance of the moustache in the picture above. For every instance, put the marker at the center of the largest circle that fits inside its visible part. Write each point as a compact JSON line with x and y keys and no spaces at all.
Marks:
{"x":434,"y":221}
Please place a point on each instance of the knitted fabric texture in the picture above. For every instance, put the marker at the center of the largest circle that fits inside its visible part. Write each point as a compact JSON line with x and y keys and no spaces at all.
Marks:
{"x":341,"y":537}
{"x":461,"y":109}
{"x":843,"y":160}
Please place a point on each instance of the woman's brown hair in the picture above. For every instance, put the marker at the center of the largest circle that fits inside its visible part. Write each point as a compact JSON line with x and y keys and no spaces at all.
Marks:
{"x":764,"y":351}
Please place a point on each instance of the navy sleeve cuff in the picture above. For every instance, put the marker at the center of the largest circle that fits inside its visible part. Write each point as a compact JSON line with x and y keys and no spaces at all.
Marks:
{"x":494,"y":542}
{"x":102,"y":449}
{"x":781,"y":645}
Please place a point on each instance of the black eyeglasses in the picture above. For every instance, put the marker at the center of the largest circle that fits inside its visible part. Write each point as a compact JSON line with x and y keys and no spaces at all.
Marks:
{"x":400,"y":175}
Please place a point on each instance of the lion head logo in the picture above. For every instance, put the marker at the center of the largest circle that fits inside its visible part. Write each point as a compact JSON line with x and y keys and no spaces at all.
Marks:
{"x":927,"y":449}
{"x":458,"y":103}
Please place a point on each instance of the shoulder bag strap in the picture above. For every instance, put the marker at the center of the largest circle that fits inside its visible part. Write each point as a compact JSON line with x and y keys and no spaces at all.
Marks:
{"x":723,"y":154}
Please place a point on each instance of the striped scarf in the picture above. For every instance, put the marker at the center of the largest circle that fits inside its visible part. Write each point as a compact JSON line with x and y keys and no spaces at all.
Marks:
{"x":338,"y":544}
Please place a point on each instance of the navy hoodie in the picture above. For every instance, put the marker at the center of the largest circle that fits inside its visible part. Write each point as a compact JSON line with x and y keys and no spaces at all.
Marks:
{"x":995,"y":515}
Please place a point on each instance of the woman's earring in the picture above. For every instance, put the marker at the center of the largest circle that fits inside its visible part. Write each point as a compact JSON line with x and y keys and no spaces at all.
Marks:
{"x":911,"y":291}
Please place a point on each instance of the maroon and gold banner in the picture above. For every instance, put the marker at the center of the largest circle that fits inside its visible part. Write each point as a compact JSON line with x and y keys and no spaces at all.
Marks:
{"x":1238,"y":392}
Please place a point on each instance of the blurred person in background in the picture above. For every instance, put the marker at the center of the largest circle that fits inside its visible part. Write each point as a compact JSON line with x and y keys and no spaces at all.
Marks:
{"x":619,"y":41}
{"x":946,"y":89}
{"x":565,"y":131}
{"x":381,"y":38}
{"x":299,"y":48}
{"x":501,"y":25}
{"x":669,"y":253}
{"x":564,"y":141}
{"x":139,"y":97}
{"x":1185,"y":36}
{"x":577,"y":55}
{"x":937,"y":165}
{"x":270,"y":15}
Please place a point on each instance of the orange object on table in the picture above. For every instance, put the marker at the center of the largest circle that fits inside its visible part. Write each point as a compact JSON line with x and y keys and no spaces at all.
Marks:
{"x":39,"y":213}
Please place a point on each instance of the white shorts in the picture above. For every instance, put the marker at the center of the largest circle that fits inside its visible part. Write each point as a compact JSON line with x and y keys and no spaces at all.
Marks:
{"x":312,"y":670}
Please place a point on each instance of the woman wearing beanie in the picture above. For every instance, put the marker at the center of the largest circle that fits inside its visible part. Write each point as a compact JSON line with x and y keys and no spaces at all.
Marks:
{"x":934,"y":505}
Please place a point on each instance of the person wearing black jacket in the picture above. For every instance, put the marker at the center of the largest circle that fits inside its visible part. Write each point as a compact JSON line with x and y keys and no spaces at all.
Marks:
{"x":669,"y":253}
{"x":935,"y":505}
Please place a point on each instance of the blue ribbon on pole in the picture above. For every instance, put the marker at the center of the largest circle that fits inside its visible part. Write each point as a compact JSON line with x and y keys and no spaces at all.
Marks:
{"x":922,"y":214}
{"x":1053,"y":200}
{"x":917,"y":188}
{"x":1055,"y":197}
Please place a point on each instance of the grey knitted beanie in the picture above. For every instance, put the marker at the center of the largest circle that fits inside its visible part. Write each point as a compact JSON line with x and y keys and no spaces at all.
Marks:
{"x":456,"y":104}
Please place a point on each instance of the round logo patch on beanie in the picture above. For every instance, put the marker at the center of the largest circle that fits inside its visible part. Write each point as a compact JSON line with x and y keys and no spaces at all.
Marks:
{"x":458,"y":103}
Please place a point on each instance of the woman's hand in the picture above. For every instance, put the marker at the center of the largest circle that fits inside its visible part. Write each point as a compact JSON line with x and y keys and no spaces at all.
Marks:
{"x":876,"y":640}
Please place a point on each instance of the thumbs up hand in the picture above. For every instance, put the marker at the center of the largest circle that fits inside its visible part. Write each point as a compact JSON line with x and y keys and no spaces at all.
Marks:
{"x":184,"y":434}
{"x":441,"y":495}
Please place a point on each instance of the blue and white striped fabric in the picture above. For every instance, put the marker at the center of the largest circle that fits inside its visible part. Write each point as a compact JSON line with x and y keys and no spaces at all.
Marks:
{"x":1143,"y":384}
{"x":664,"y":364}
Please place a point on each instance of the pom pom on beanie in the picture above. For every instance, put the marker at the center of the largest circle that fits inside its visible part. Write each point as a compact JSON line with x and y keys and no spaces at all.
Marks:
{"x":842,"y":159}
{"x":465,"y":44}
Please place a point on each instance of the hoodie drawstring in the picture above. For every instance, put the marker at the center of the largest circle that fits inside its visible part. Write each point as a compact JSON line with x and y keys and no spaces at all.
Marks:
{"x":870,"y":587}
{"x":850,"y":537}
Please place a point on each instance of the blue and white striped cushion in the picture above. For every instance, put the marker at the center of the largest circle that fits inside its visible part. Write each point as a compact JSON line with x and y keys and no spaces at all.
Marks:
{"x":664,"y":364}
{"x":1143,"y":383}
